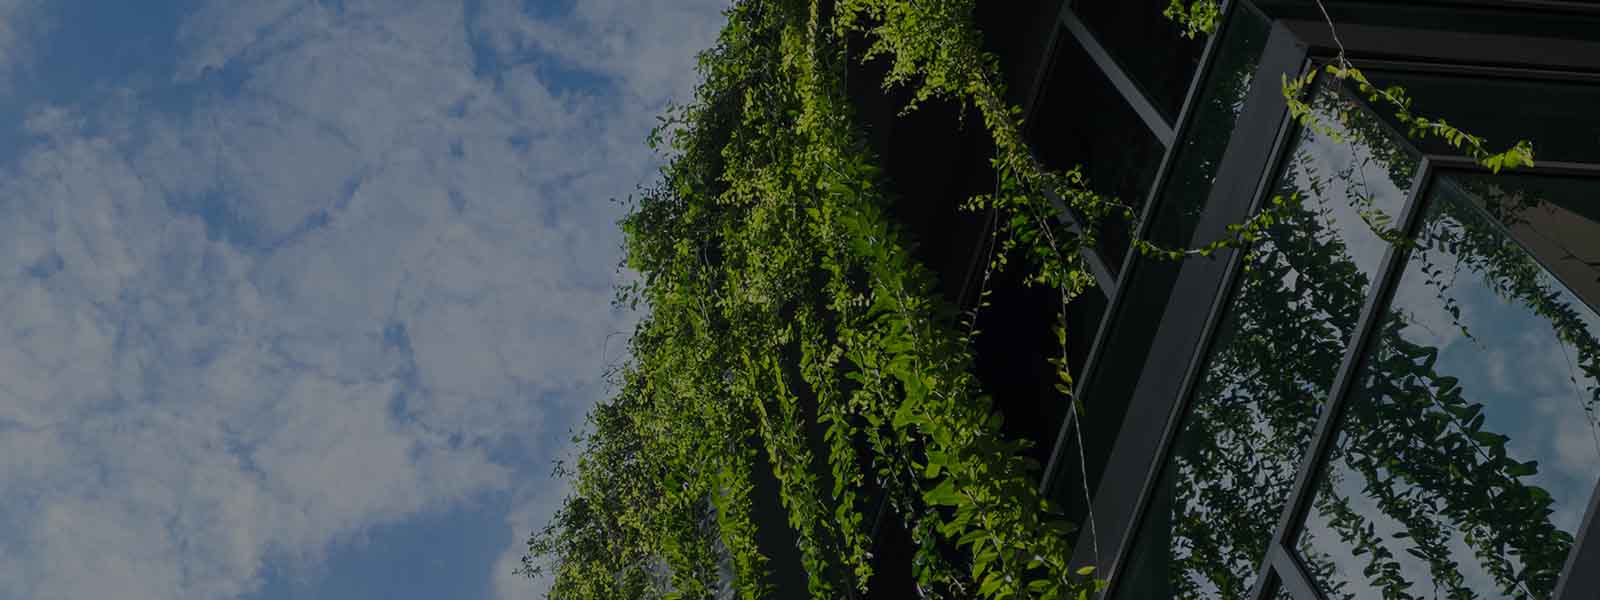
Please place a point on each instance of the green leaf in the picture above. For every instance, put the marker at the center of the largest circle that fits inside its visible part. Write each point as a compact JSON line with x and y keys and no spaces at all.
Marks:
{"x":943,"y":494}
{"x":1522,"y":469}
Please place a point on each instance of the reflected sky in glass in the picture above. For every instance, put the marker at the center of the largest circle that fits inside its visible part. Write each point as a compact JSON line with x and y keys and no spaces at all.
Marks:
{"x":1468,"y":452}
{"x":1275,"y":356}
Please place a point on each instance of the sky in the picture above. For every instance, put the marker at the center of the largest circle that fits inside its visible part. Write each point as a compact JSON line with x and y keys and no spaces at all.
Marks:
{"x":303,"y":297}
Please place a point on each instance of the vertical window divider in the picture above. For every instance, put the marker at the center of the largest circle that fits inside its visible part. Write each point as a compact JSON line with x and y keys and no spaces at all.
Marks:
{"x":1290,"y":573}
{"x":1105,"y":279}
{"x":1158,"y":185}
{"x":1580,"y":580}
{"x":1228,"y":200}
{"x":1043,"y":73}
{"x":1131,"y":93}
{"x":1362,"y":338}
{"x":1197,"y":361}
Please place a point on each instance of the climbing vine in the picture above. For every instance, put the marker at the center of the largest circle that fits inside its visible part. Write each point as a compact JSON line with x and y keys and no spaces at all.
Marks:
{"x":790,"y":330}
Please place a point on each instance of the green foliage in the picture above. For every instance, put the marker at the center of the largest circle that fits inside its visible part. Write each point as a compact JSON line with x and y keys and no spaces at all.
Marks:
{"x":790,"y":328}
{"x":781,"y":296}
{"x":1197,"y":17}
{"x":1519,"y":154}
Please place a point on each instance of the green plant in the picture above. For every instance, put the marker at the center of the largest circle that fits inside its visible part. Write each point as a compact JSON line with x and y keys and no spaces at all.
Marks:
{"x":790,"y":328}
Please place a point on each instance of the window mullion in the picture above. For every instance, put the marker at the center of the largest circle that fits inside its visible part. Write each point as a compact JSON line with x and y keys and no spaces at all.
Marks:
{"x":1393,"y":264}
{"x":1142,"y":443}
{"x":1290,"y":574}
{"x":1130,"y":91}
{"x":1580,"y":580}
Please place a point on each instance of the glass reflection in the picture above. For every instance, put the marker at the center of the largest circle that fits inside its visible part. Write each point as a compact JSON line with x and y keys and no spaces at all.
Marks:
{"x":1273,"y":359}
{"x":1544,"y":112}
{"x":1216,"y":112}
{"x":1469,"y":448}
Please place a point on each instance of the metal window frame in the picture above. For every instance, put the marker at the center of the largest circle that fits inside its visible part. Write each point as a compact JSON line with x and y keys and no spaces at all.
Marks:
{"x":1283,"y":561}
{"x":1281,"y":555}
{"x":1132,"y":95}
{"x":1282,"y":144}
{"x":1583,"y":583}
{"x":1245,"y":167}
{"x":1158,"y":186}
{"x":1281,"y":565}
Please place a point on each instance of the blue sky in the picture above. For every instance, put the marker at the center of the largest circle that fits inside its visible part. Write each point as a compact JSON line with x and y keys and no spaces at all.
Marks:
{"x":303,"y":296}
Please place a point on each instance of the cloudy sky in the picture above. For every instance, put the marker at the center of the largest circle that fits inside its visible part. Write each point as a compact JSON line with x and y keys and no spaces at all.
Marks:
{"x":303,"y":296}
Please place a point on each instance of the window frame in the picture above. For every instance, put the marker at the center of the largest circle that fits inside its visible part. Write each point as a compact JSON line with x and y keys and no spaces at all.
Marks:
{"x":1108,"y":281}
{"x":1259,"y":137}
{"x":1282,"y":564}
{"x":1187,"y":333}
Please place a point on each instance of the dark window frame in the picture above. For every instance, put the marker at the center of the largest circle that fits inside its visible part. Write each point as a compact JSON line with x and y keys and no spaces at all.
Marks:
{"x":1282,"y":563}
{"x":1114,"y":295}
{"x":1144,"y":442}
{"x":1259,"y":137}
{"x":1068,"y":24}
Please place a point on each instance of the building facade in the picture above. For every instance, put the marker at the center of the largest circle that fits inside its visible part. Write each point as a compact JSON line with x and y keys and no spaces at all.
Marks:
{"x":1396,"y":391}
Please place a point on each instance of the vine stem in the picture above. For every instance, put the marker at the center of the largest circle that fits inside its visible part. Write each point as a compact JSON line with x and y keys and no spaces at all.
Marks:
{"x":1334,"y":31}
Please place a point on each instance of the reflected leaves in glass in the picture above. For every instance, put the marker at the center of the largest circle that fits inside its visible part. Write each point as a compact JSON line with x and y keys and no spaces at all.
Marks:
{"x":1274,"y":357}
{"x":1467,"y":453}
{"x":1215,"y":113}
{"x":1544,"y":112}
{"x":1281,"y":593}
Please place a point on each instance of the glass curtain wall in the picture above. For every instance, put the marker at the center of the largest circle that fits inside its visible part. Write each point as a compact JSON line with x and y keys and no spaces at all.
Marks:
{"x":1273,"y":359}
{"x":1468,"y":450}
{"x":1462,"y":458}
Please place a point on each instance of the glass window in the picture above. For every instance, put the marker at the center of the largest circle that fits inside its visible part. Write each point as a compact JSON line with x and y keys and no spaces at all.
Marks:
{"x":1469,"y":448}
{"x":1274,"y":357}
{"x":1280,"y":593}
{"x":1543,"y":112}
{"x":1453,"y":17}
{"x":1555,"y":218}
{"x":1150,"y":47}
{"x":1082,"y":120}
{"x":1209,"y":130}
{"x":1195,"y":168}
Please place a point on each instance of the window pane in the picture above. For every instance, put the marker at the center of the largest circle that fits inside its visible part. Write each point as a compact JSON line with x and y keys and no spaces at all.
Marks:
{"x":1149,"y":46}
{"x":1274,"y":357}
{"x":1082,"y":120}
{"x":1280,"y":593}
{"x":1541,"y":112}
{"x":1555,"y":218}
{"x":1209,"y":130}
{"x":1469,"y":449}
{"x":1143,"y":304}
{"x":1454,"y":17}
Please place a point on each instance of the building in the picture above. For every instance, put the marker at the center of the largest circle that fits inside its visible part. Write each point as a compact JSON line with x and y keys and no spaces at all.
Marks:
{"x":1330,"y":415}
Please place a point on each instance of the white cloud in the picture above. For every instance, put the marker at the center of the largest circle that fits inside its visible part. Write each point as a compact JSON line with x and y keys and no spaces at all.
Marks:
{"x":318,"y":301}
{"x":19,"y":24}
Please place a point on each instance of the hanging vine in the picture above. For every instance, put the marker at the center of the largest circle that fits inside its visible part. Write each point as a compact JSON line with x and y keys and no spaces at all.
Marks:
{"x":790,"y":328}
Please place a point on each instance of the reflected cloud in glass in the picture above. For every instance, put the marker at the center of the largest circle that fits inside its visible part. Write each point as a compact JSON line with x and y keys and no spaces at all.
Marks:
{"x":1468,"y":452}
{"x":1274,"y":358}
